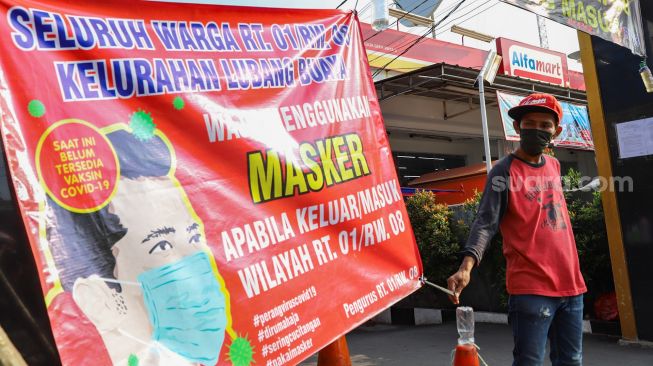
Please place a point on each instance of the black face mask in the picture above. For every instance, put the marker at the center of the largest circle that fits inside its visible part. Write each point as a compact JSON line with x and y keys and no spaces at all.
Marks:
{"x":534,"y":141}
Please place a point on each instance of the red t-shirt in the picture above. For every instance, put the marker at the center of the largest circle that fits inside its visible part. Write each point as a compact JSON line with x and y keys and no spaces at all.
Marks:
{"x":526,"y":202}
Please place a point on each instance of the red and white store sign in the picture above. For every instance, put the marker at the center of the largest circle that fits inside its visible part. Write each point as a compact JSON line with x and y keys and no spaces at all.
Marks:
{"x":520,"y":59}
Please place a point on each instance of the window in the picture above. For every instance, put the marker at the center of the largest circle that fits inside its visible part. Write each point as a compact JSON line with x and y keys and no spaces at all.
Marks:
{"x":413,"y":165}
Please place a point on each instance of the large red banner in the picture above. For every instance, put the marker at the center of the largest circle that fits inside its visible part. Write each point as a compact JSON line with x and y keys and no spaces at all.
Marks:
{"x":200,"y":184}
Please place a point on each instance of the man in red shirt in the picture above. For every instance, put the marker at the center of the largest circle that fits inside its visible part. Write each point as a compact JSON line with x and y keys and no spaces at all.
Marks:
{"x":523,"y":198}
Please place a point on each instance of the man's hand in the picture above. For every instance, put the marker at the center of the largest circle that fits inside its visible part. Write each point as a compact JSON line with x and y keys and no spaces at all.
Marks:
{"x":459,"y":280}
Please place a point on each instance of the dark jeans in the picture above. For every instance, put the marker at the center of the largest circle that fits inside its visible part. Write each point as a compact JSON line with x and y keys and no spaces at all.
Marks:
{"x":534,"y":318}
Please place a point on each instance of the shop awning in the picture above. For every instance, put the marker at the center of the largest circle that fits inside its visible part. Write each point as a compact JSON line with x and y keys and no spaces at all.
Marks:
{"x":456,"y":83}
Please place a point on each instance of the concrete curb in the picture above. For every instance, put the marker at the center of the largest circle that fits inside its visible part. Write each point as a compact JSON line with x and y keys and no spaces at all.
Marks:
{"x":409,"y":316}
{"x":643,"y":344}
{"x":492,"y":318}
{"x":425,"y":316}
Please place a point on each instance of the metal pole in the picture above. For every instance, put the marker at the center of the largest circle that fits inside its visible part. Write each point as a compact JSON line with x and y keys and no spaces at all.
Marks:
{"x":486,"y":133}
{"x":541,"y":28}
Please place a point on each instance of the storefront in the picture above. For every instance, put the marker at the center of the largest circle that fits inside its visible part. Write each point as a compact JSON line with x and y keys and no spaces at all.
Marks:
{"x":432,"y":113}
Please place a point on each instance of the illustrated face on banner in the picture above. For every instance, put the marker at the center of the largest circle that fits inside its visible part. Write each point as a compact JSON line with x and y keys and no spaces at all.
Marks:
{"x":165,"y":276}
{"x":160,"y":230}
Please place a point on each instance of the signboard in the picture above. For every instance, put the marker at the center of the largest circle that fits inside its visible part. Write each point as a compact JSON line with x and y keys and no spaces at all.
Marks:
{"x":576,"y":132}
{"x":535,"y":63}
{"x":617,"y":21}
{"x":200,"y":184}
{"x":384,"y":47}
{"x":635,"y":138}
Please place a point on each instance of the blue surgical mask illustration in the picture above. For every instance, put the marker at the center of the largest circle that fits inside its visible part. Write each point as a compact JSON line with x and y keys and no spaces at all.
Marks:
{"x":186,"y":308}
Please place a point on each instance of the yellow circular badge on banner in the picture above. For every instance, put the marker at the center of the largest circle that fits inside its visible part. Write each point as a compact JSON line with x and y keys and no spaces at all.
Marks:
{"x":77,"y":166}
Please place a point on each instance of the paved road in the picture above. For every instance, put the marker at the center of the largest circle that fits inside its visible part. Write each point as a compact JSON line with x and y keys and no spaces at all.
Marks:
{"x":383,"y":345}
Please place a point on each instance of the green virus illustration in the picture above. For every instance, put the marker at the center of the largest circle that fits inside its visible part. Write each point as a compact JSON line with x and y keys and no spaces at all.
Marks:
{"x":142,"y":125}
{"x":241,"y":352}
{"x":36,"y":108}
{"x":132,"y":360}
{"x":178,"y":103}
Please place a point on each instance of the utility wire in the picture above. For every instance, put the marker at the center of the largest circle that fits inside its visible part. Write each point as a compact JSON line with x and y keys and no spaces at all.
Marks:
{"x":449,"y":7}
{"x":397,"y":20}
{"x":365,"y":7}
{"x":480,"y":12}
{"x":468,"y":8}
{"x":429,"y":30}
{"x":400,"y":46}
{"x":441,"y":26}
{"x":444,"y":26}
{"x":444,"y":10}
{"x":444,"y":30}
{"x":418,"y":40}
{"x":405,"y":44}
{"x":416,"y":31}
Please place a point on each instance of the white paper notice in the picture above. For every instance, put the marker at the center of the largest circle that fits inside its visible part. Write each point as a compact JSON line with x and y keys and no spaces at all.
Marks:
{"x":635,"y":138}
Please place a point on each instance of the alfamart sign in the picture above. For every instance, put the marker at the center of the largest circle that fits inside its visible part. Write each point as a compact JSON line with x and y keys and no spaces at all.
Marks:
{"x":520,"y":59}
{"x":617,"y":21}
{"x":539,"y":62}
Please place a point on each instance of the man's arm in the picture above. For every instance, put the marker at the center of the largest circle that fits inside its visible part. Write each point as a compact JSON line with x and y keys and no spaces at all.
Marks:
{"x":459,"y":280}
{"x":490,"y":211}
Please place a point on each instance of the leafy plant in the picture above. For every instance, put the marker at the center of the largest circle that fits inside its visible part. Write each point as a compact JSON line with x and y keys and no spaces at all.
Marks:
{"x":571,"y":180}
{"x":437,"y":243}
{"x":588,"y":224}
{"x":441,"y":234}
{"x":493,"y":268}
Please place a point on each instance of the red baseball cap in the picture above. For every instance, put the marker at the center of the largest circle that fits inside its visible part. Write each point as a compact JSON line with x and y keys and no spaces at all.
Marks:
{"x":537,"y":102}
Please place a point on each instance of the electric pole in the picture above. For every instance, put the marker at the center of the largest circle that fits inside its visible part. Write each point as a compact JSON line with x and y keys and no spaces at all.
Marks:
{"x":541,"y":27}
